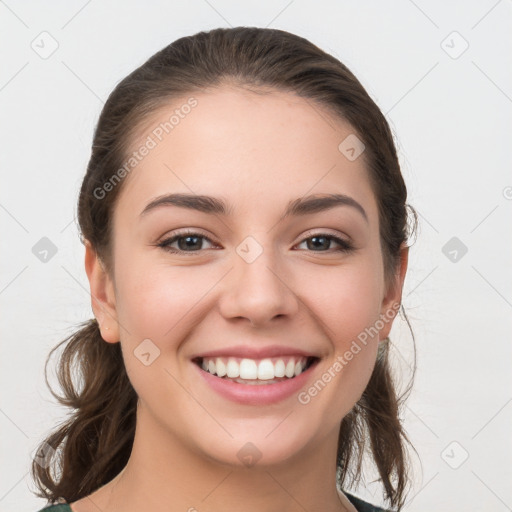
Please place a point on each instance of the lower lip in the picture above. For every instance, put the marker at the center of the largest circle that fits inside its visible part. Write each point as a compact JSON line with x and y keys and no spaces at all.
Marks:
{"x":262,"y":394}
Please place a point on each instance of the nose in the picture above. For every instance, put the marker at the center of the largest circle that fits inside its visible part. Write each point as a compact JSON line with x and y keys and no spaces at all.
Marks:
{"x":259,"y":292}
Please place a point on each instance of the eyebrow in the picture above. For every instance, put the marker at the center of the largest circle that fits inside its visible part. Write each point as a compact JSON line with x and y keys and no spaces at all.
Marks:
{"x":212,"y":205}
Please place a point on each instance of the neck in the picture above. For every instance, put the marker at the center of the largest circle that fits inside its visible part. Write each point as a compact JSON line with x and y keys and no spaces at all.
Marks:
{"x":164,"y":474}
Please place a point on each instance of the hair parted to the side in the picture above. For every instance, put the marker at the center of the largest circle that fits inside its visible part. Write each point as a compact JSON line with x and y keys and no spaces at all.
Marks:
{"x":94,"y":444}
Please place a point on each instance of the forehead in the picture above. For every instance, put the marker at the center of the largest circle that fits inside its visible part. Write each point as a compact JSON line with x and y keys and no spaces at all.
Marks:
{"x":254,"y":147}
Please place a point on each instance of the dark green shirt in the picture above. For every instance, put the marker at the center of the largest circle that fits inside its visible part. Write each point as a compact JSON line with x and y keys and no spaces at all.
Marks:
{"x":362,"y":506}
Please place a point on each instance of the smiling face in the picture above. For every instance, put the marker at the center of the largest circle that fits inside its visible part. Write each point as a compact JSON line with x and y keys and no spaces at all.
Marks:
{"x":261,"y":271}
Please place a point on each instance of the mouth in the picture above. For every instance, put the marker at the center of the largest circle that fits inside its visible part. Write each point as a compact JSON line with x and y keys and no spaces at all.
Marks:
{"x":256,"y":372}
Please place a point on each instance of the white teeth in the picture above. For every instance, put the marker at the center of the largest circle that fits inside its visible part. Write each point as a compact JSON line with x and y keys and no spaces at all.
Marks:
{"x":252,"y":370}
{"x":266,"y":370}
{"x":233,"y":369}
{"x":290,"y":369}
{"x":248,"y":369}
{"x":279,"y":368}
{"x":221,"y":367}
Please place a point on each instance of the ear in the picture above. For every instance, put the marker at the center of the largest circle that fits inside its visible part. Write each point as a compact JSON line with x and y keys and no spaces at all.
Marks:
{"x":102,"y":295}
{"x":393,"y":297}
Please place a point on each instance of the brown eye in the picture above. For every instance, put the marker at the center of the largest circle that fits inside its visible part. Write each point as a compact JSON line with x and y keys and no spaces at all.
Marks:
{"x":186,"y":243}
{"x":322,"y":243}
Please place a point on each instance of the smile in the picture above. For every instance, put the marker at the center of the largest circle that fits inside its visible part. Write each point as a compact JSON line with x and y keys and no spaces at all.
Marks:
{"x":254,"y":371}
{"x":256,"y":381}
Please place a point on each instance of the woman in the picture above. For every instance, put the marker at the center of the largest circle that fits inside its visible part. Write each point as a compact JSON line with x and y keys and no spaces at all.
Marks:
{"x":245,"y":224}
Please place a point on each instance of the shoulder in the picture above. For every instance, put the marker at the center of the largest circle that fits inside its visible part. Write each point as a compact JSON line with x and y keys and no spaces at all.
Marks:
{"x":59,"y":507}
{"x":363,"y":506}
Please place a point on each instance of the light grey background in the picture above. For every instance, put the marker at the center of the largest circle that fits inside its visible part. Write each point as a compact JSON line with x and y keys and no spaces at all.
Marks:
{"x":450,"y":108}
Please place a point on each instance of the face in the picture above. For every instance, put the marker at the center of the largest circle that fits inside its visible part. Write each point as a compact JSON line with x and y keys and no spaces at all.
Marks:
{"x":261,"y":278}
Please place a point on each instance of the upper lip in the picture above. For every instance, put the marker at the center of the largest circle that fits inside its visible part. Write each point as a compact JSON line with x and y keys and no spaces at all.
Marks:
{"x":248,"y":352}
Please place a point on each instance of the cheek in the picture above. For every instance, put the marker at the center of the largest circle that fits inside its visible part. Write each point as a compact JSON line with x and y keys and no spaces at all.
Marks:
{"x":158,"y":303}
{"x":347,"y":300}
{"x":161,"y":302}
{"x":349,"y":315}
{"x":154,"y":298}
{"x":348,"y":303}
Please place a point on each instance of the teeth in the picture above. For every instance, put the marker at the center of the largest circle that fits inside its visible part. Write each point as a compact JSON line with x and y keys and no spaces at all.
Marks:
{"x":248,"y":369}
{"x":252,"y":370}
{"x":266,"y":370}
{"x":232,"y":370}
{"x":290,"y":368}
{"x":220,"y":368}
{"x":279,"y":368}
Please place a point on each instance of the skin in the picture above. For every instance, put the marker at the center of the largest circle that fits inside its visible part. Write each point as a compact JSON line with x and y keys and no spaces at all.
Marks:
{"x":257,"y":152}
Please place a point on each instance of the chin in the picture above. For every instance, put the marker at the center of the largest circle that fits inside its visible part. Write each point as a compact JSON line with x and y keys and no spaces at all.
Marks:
{"x":256,"y":445}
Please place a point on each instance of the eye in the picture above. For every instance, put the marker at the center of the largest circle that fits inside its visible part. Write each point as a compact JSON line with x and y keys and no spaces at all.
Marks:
{"x":321,"y":242}
{"x":187,"y":242}
{"x":192,"y":242}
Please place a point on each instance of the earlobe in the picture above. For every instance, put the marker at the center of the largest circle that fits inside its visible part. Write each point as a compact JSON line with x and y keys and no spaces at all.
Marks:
{"x":393,"y":299}
{"x":102,"y":295}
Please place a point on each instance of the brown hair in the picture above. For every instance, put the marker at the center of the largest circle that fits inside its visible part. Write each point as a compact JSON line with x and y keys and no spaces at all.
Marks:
{"x":94,"y":444}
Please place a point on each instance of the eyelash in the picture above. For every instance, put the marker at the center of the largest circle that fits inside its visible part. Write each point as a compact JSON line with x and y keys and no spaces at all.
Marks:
{"x":344,"y":245}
